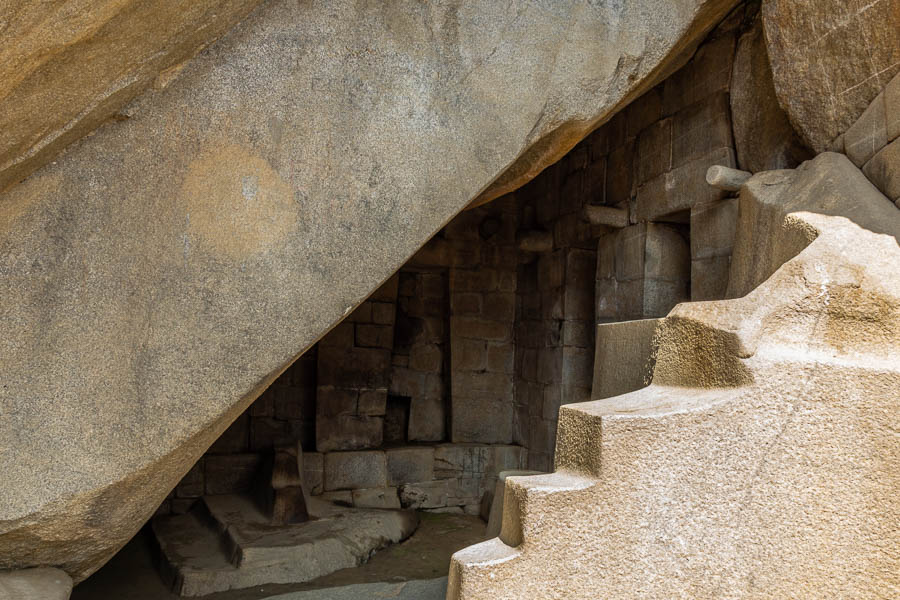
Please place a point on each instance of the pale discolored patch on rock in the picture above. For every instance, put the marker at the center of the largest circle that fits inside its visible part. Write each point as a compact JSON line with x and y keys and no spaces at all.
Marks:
{"x":235,"y":203}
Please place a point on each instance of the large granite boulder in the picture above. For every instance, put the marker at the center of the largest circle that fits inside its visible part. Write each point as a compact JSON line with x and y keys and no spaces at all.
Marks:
{"x":830,"y":58}
{"x":66,"y":66}
{"x":163,"y":271}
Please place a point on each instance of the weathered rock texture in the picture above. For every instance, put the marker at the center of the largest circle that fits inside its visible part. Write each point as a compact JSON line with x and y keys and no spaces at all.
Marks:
{"x":761,"y":462}
{"x":68,"y":65}
{"x":35,"y":584}
{"x":164,"y":271}
{"x":829,"y":59}
{"x":763,"y":136}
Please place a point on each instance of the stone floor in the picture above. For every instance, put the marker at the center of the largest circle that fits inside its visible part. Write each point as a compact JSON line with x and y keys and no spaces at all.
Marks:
{"x":422,"y":560}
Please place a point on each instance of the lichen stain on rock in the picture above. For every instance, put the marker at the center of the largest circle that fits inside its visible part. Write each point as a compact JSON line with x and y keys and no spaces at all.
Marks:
{"x":235,"y":203}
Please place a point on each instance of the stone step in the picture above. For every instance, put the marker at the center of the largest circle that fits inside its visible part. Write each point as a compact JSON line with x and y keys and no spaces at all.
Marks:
{"x":535,"y":496}
{"x":226,"y":542}
{"x":585,"y":428}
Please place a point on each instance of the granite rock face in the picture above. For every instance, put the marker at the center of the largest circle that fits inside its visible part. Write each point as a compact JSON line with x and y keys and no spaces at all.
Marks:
{"x":829,"y":59}
{"x":66,"y":66}
{"x":762,"y":461}
{"x":763,"y":136}
{"x":159,"y":275}
{"x":35,"y":584}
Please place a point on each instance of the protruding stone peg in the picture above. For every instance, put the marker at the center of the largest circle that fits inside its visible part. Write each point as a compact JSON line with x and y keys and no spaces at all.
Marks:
{"x":726,"y":178}
{"x":606,"y":215}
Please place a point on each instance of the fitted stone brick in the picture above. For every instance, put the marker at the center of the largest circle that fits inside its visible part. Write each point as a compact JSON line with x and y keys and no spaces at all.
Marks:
{"x":230,"y":473}
{"x":267,"y":433}
{"x":713,"y":228}
{"x":477,"y":328}
{"x":655,"y":150}
{"x":883,"y":170}
{"x":410,"y":465}
{"x":348,"y":432}
{"x":666,"y":253}
{"x":482,"y":417}
{"x":643,"y":112}
{"x":192,"y":485}
{"x":709,"y":277}
{"x":235,"y":439}
{"x":374,"y":336}
{"x":680,"y":188}
{"x":372,"y":402}
{"x":313,"y":472}
{"x":701,"y":128}
{"x":868,"y":134}
{"x":428,"y":494}
{"x":342,"y":335}
{"x":501,"y":358}
{"x":708,"y":72}
{"x":426,"y":357}
{"x":334,"y":401}
{"x":355,"y":470}
{"x":620,"y":174}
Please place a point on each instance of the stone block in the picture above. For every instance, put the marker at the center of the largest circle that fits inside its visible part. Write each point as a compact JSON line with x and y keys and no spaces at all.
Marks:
{"x":341,"y":336}
{"x":883,"y":170}
{"x":579,"y":334}
{"x":701,"y":128}
{"x":667,"y":254}
{"x":455,"y":461}
{"x":376,"y":498}
{"x":426,"y":357}
{"x":499,"y":306}
{"x":578,"y":367}
{"x":551,"y":400}
{"x":235,"y":439}
{"x":606,"y":256}
{"x":468,"y":280}
{"x":466,"y":304}
{"x":410,"y":465}
{"x":192,"y":485}
{"x":264,"y":406}
{"x":362,"y":314}
{"x":230,"y":473}
{"x":468,"y":355}
{"x":384,"y":313}
{"x":335,"y":401}
{"x":354,"y":367}
{"x":552,"y":304}
{"x":348,"y":432}
{"x":579,"y":302}
{"x":180,"y":506}
{"x":501,"y":358}
{"x":606,"y":299}
{"x":868,"y":134}
{"x":661,"y":296}
{"x":427,"y":419}
{"x":629,"y":255}
{"x":680,"y":188}
{"x":549,"y":365}
{"x":295,"y":403}
{"x":713,"y":228}
{"x":643,"y":112}
{"x":406,"y":382}
{"x":620,"y":174}
{"x":266,"y":433}
{"x":355,"y":470}
{"x":630,"y":299}
{"x":624,"y":357}
{"x":551,"y":271}
{"x":388,"y":290}
{"x":708,"y":73}
{"x":496,"y":385}
{"x":374,"y":336}
{"x":372,"y":402}
{"x":595,"y":183}
{"x":35,"y":584}
{"x":313,"y":472}
{"x":709,"y":278}
{"x":543,"y":436}
{"x":423,"y":495}
{"x":483,"y":329}
{"x":892,"y":108}
{"x":654,"y":150}
{"x":482,"y":417}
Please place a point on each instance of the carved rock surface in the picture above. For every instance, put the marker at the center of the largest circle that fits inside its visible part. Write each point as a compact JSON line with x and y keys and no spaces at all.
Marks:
{"x":159,"y":275}
{"x":762,"y":461}
{"x":68,"y":65}
{"x":829,"y":59}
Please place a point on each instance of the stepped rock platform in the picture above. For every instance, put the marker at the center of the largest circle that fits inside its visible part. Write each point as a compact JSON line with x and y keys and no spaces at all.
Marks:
{"x":226,"y":543}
